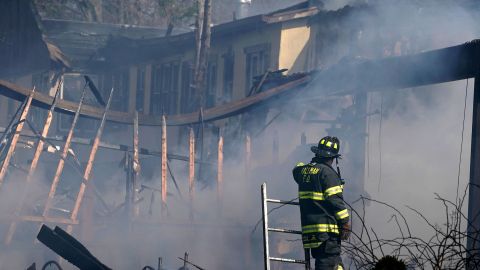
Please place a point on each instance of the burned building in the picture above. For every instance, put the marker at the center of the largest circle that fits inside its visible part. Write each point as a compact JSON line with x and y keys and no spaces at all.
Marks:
{"x":256,"y":66}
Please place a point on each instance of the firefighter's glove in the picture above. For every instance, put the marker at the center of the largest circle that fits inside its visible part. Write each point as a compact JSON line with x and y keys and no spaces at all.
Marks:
{"x":345,"y":231}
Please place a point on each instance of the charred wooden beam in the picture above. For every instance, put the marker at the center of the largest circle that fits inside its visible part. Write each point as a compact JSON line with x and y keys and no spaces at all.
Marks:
{"x":63,"y":157}
{"x":164,"y":165}
{"x":235,"y":107}
{"x":15,"y":136}
{"x":136,"y":165}
{"x":33,"y":165}
{"x":39,"y":219}
{"x":89,"y":167}
{"x":191,"y":171}
{"x":69,"y":248}
{"x":105,"y":145}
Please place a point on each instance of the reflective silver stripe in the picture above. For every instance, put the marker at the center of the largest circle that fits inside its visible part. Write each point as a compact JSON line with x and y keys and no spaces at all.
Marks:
{"x":342,"y":214}
{"x":333,"y":190}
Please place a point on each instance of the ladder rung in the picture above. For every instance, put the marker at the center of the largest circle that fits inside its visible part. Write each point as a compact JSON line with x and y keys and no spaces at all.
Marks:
{"x":282,"y":202}
{"x":286,"y":260}
{"x":284,"y":231}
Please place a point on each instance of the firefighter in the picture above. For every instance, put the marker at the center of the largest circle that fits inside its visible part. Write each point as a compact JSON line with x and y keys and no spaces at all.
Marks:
{"x":324,"y":217}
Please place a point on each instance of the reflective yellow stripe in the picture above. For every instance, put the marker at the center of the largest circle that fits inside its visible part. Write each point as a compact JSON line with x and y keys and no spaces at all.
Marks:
{"x":339,"y":267}
{"x":318,"y":196}
{"x":312,"y":245}
{"x":335,"y":146}
{"x":342,"y":214}
{"x":329,"y":144}
{"x":299,"y":164}
{"x":319,"y":228}
{"x":333,"y":190}
{"x":322,"y":141}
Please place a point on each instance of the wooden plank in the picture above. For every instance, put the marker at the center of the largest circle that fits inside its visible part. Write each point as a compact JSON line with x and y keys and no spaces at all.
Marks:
{"x":164,"y":166}
{"x":42,"y":219}
{"x":33,"y":165}
{"x":117,"y":147}
{"x":128,"y":186}
{"x":220,"y":171}
{"x":136,"y":166}
{"x":15,"y":137}
{"x":191,"y":171}
{"x":201,"y":132}
{"x":89,"y":167}
{"x":64,"y":155}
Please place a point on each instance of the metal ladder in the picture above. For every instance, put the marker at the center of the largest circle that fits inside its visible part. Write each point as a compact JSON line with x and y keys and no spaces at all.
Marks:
{"x":266,"y":230}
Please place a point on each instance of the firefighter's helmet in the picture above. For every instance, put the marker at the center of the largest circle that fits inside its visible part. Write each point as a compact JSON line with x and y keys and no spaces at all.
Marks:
{"x":328,"y":147}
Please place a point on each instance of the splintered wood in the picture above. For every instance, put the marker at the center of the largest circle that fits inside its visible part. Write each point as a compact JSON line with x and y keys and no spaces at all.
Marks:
{"x":164,"y":166}
{"x":33,"y":166}
{"x":16,"y":135}
{"x":88,"y":169}
{"x":191,"y":170}
{"x":136,"y":166}
{"x":63,"y":157}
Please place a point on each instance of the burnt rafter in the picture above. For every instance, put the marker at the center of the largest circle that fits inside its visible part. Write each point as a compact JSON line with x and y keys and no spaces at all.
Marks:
{"x":218,"y":112}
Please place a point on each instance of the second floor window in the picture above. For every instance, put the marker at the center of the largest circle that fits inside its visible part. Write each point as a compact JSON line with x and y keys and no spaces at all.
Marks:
{"x":257,"y":63}
{"x":164,"y":92}
{"x":121,"y":91}
{"x":228,"y":69}
{"x":188,"y":94}
{"x":71,"y":90}
{"x":211,"y":91}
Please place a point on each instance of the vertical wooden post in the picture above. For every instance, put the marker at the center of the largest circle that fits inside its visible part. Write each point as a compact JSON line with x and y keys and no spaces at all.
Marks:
{"x":201,"y":144}
{"x":33,"y":165}
{"x":89,"y":167}
{"x":129,"y":199}
{"x":164,"y":166}
{"x":191,"y":171}
{"x":63,"y":156}
{"x":136,"y":166}
{"x":46,"y":128}
{"x":248,"y":154}
{"x":220,"y":171}
{"x":16,"y":135}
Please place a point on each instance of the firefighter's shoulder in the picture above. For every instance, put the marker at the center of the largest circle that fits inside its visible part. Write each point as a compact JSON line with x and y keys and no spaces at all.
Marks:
{"x":298,"y":166}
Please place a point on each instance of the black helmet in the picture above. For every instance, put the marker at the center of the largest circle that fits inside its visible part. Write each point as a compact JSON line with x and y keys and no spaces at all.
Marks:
{"x":328,"y":147}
